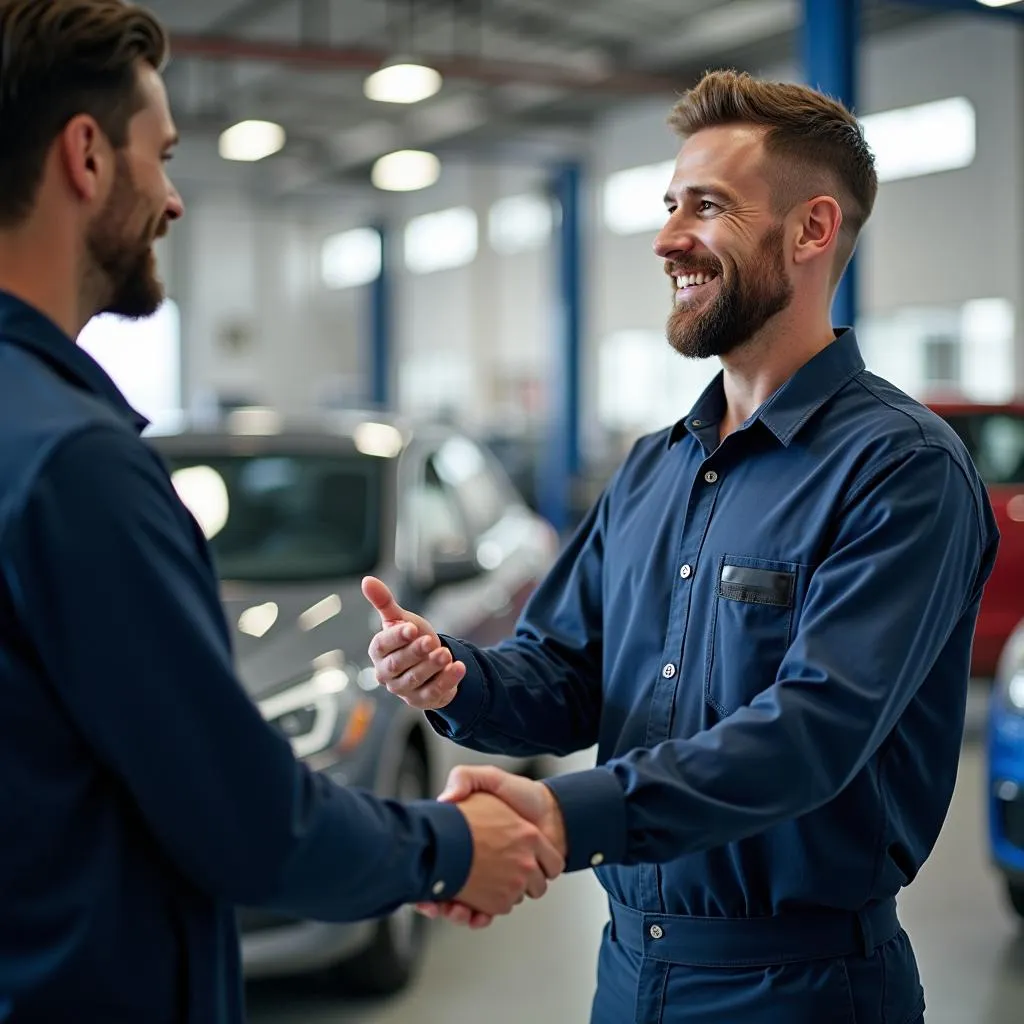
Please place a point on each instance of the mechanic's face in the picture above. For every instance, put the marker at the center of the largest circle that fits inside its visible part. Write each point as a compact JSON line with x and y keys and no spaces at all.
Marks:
{"x":723,"y":245}
{"x":139,"y":208}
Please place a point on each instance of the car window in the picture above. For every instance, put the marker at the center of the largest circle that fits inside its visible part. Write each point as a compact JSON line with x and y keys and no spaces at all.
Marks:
{"x":464,"y":467}
{"x":996,"y":443}
{"x":437,"y":516}
{"x":285,"y":517}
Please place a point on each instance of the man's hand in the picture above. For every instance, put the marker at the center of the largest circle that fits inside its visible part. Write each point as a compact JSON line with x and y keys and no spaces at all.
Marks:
{"x":532,"y":800}
{"x":409,"y":658}
{"x":511,"y":857}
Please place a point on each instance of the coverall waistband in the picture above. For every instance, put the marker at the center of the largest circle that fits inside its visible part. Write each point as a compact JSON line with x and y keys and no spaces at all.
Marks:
{"x":754,"y":941}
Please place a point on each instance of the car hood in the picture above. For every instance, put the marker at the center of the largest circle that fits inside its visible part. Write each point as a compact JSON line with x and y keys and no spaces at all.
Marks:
{"x":286,"y":651}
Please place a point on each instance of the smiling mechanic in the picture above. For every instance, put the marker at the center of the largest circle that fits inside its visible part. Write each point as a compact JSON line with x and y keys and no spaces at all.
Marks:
{"x":765,"y":622}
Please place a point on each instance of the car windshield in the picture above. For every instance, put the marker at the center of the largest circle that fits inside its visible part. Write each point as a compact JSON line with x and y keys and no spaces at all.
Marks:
{"x":285,"y":517}
{"x":996,"y":443}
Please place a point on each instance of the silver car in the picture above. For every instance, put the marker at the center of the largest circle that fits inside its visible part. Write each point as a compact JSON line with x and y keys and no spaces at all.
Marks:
{"x":296,"y":514}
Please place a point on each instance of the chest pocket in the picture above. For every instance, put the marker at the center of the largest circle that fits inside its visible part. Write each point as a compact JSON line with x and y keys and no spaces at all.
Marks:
{"x":751,"y":629}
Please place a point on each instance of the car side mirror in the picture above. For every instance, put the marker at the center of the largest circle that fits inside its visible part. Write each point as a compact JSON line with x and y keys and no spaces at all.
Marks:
{"x":449,"y":569}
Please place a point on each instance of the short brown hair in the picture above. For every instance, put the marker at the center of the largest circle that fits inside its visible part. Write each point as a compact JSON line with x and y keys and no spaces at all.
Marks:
{"x":59,"y":59}
{"x":814,"y":140}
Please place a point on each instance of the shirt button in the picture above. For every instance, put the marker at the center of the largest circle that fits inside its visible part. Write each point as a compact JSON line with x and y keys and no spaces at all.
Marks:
{"x":438,"y":888}
{"x":698,"y":423}
{"x":711,"y":476}
{"x":668,"y":671}
{"x":597,"y":860}
{"x":686,"y":572}
{"x":656,"y":931}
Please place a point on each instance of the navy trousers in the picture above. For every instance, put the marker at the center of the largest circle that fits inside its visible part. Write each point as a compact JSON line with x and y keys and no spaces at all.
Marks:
{"x":813,"y":969}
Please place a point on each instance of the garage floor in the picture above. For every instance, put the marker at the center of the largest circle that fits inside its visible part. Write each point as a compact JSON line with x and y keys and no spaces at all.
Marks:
{"x":538,"y":964}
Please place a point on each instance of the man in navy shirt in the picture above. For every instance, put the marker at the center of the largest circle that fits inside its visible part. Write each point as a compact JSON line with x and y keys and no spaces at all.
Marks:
{"x":141,"y":792}
{"x":764,"y":623}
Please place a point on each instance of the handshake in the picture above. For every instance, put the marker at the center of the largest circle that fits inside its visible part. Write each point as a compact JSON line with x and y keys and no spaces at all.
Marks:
{"x":518,"y":834}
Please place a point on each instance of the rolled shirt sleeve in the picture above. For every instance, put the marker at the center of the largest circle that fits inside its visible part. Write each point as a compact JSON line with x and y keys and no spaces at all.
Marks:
{"x":111,"y":579}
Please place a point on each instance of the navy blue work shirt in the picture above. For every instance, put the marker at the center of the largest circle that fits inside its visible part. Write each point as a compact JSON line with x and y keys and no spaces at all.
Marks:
{"x":769,"y":640}
{"x":141,"y":792}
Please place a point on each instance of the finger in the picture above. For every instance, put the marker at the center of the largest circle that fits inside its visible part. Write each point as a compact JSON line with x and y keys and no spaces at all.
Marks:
{"x":536,"y":884}
{"x":440,"y":691}
{"x":410,"y":666}
{"x":377,"y":593}
{"x":431,"y":910}
{"x":392,"y":639}
{"x":423,"y":671}
{"x":551,"y":862}
{"x":480,"y":920}
{"x":464,"y":780}
{"x":458,"y":913}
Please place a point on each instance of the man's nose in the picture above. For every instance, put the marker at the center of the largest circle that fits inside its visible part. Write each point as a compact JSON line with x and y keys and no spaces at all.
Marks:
{"x":175,"y":206}
{"x":673,"y":238}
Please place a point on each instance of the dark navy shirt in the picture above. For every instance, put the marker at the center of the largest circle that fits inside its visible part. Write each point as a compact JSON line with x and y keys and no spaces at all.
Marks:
{"x":769,"y":640}
{"x":141,"y":792}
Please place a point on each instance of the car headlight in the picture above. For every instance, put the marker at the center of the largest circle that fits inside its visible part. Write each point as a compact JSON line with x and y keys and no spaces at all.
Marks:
{"x":321,"y":712}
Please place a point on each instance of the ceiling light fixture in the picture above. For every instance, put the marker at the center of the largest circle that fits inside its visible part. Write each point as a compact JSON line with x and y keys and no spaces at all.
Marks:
{"x":997,"y":3}
{"x":402,"y":80}
{"x":250,"y":141}
{"x":406,"y":171}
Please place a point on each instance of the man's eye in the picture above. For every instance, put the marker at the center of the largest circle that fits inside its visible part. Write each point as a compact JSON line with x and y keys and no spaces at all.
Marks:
{"x":706,"y":206}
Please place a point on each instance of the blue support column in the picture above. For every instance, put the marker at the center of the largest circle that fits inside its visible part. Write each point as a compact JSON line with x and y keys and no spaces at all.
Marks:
{"x":830,"y":47}
{"x":560,"y":467}
{"x":380,"y":341}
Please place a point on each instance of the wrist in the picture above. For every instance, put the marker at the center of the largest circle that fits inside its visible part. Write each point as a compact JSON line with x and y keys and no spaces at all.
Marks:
{"x":553,"y":824}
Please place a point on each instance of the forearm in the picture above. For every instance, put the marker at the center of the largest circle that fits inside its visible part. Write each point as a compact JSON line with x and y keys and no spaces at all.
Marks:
{"x":521,"y":698}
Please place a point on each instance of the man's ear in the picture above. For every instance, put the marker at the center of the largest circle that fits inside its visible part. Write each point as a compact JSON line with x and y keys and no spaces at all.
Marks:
{"x":84,"y":153}
{"x":818,"y":229}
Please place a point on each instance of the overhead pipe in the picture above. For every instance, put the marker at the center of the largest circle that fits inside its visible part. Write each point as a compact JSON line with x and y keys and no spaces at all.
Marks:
{"x":494,"y":72}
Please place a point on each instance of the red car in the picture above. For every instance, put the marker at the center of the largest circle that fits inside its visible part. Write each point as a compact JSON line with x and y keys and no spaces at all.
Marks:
{"x":994,"y":435}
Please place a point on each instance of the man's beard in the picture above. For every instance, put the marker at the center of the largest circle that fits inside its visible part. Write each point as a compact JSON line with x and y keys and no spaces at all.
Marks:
{"x":758,"y":291}
{"x":123,"y":263}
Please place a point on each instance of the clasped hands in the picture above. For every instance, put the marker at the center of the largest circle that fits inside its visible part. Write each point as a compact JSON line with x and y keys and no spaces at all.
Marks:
{"x":518,"y":834}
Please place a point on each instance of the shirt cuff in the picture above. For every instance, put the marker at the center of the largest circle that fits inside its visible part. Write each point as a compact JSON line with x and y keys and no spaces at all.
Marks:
{"x":593,"y":806}
{"x":457,"y":720}
{"x":453,"y":852}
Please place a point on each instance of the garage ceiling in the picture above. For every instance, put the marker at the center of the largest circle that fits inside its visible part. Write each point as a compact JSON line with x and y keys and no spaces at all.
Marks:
{"x":523,"y":78}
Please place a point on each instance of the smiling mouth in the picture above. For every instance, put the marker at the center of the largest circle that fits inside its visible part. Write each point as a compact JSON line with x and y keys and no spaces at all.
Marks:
{"x":690,"y":285}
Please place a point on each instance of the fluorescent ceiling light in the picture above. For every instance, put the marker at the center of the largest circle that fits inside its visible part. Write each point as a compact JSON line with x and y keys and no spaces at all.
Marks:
{"x":924,"y":139}
{"x":997,"y":3}
{"x":406,"y":171}
{"x":249,"y":141}
{"x":402,"y":82}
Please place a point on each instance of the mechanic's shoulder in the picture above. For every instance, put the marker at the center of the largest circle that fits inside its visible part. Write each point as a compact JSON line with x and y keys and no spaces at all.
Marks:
{"x":900,"y":428}
{"x":42,"y":415}
{"x":906,"y":422}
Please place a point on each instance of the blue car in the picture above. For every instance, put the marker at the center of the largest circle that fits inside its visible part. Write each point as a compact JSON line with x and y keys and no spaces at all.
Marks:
{"x":1006,"y":769}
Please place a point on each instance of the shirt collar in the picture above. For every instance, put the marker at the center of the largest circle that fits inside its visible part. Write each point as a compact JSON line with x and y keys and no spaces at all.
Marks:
{"x":793,"y":404}
{"x":24,"y":326}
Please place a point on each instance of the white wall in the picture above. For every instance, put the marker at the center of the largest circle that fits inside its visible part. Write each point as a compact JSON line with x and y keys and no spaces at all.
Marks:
{"x":949,"y":237}
{"x":474,"y":332}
